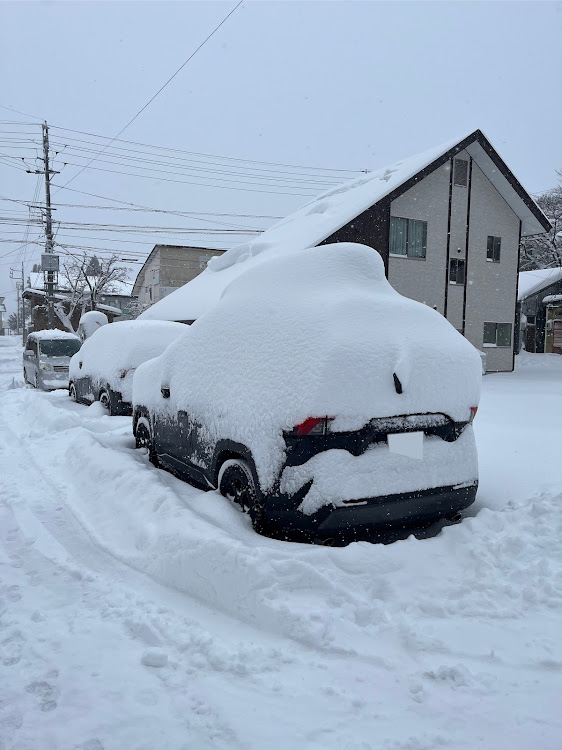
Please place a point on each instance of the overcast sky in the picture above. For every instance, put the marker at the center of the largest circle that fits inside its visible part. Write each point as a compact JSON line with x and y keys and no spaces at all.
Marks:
{"x":316,"y":85}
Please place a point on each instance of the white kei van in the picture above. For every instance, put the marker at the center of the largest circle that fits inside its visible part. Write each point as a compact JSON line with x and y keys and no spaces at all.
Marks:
{"x":46,"y":358}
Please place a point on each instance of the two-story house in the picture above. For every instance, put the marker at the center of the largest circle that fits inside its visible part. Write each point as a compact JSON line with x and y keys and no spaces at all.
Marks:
{"x":447,"y":224}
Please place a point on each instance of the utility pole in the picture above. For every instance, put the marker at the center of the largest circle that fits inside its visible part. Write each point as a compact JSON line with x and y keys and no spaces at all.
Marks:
{"x":49,"y":261}
{"x":14,"y":274}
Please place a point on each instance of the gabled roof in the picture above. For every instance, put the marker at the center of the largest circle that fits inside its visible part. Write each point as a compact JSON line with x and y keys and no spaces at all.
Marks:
{"x":322,"y":217}
{"x":531,"y":282}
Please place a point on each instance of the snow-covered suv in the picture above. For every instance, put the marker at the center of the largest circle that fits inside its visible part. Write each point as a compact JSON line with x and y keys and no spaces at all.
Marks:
{"x":317,"y":397}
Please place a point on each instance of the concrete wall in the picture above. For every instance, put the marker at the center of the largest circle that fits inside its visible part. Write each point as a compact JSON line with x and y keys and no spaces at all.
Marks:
{"x":179,"y":265}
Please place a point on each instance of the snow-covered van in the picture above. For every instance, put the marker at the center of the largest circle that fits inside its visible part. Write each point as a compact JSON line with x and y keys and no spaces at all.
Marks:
{"x":103,"y":368}
{"x":317,"y":397}
{"x":46,"y":358}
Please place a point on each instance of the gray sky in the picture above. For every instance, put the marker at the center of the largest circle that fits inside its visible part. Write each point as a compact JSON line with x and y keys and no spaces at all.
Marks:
{"x":339,"y":85}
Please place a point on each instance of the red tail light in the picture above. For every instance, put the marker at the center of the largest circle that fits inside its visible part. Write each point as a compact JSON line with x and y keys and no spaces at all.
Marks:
{"x":473,"y":410}
{"x":314,"y":426}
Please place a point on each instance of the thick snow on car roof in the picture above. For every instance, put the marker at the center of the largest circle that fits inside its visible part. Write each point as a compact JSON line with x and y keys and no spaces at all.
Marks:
{"x":313,"y":333}
{"x":123,"y":346}
{"x":53,"y":333}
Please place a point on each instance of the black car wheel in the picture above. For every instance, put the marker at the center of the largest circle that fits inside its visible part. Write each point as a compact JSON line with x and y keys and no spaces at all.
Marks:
{"x":237,"y":483}
{"x":105,"y":401}
{"x":143,"y":439}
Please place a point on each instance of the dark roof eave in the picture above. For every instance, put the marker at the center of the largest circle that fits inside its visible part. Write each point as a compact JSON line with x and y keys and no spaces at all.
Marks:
{"x":478,"y":136}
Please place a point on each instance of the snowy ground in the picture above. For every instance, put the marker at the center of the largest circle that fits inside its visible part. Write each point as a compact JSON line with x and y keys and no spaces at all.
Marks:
{"x":106,"y":563}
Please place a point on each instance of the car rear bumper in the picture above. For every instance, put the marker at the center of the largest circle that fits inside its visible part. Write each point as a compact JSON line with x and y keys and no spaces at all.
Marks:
{"x":373,"y":514}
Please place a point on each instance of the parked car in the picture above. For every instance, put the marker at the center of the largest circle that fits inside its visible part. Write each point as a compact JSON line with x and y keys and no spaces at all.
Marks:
{"x":103,"y":368}
{"x":317,"y":398}
{"x":90,"y":322}
{"x":46,"y":358}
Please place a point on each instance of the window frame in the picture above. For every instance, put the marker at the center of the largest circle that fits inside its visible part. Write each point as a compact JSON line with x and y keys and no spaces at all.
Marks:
{"x":496,"y":345}
{"x":495,"y":246}
{"x":407,"y":254}
{"x":456,"y":262}
{"x":462,"y":172}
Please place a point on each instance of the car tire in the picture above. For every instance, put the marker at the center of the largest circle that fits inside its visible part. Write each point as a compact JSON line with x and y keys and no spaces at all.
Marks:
{"x":105,"y":401}
{"x":72,"y":392}
{"x":236,"y":483}
{"x":143,"y":439}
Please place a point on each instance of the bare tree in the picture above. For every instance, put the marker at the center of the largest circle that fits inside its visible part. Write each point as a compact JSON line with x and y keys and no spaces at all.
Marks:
{"x":545,"y":250}
{"x":83,"y":289}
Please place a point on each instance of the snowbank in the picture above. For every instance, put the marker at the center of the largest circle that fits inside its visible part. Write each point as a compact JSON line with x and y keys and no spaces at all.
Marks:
{"x":119,"y":347}
{"x":313,"y":333}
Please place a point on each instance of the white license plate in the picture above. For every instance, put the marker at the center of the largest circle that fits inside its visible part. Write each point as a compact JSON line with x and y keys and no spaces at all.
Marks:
{"x":406,"y":444}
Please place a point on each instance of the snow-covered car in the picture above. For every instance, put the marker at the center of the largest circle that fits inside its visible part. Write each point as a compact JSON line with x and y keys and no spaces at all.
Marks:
{"x":104,"y":367}
{"x":317,"y":397}
{"x":90,"y":322}
{"x":46,"y":358}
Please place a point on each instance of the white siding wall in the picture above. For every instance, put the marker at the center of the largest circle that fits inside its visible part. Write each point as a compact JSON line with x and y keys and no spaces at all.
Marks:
{"x":491,"y":287}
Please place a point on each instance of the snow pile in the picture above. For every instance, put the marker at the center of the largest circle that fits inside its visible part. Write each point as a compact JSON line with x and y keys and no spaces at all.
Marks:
{"x":120,"y":347}
{"x":309,"y":334}
{"x":90,"y":322}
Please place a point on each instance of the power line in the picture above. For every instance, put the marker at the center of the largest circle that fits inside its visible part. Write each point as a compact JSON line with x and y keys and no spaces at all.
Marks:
{"x":162,"y":87}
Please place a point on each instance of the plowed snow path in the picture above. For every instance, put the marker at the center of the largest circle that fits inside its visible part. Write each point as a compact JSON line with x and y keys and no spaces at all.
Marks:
{"x":452,"y":641}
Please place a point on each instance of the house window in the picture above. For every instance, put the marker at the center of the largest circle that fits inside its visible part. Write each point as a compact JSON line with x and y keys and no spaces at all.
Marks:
{"x":493,"y":249}
{"x":408,"y":237}
{"x":461,"y":172}
{"x":456,"y":271}
{"x":497,"y":334}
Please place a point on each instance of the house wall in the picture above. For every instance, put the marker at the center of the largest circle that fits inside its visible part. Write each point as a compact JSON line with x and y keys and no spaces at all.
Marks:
{"x":491,"y":287}
{"x":180,"y":265}
{"x":459,"y":228}
{"x":423,"y":279}
{"x":147,"y":288}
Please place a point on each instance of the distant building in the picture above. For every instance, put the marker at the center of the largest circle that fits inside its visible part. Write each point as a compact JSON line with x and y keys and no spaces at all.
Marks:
{"x":540,"y":303}
{"x":116,"y":302}
{"x":167,"y":268}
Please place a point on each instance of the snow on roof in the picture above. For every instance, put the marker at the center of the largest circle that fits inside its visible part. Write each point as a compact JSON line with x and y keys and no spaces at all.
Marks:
{"x":53,"y":333}
{"x":550,"y":298}
{"x":306,"y":227}
{"x":531,"y":282}
{"x":318,"y":220}
{"x":120,"y":288}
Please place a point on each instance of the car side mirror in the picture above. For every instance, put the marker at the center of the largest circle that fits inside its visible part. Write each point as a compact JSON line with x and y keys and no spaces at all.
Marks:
{"x":79,"y":365}
{"x":28,"y":352}
{"x":165,"y":392}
